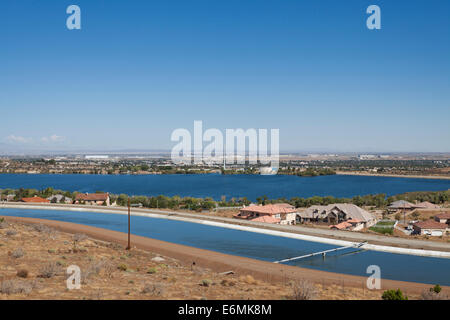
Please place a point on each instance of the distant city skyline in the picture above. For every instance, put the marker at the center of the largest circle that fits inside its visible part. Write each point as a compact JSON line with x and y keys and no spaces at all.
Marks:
{"x":136,"y":72}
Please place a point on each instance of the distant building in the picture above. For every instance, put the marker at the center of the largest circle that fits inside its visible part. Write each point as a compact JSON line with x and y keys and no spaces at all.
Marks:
{"x":93,"y":198}
{"x":443,"y":218}
{"x":401,"y":205}
{"x":34,"y":199}
{"x":430,"y":227}
{"x":337,"y":213}
{"x":280,"y":213}
{"x":8,"y":198}
{"x":426,"y":205}
{"x":59,"y":198}
{"x":96,"y":157}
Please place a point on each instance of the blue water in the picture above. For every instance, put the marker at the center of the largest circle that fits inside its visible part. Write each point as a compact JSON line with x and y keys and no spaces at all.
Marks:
{"x":259,"y":246}
{"x":216,"y":185}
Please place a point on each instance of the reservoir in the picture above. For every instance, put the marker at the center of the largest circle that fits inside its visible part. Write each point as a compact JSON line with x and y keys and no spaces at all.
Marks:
{"x":217,"y":185}
{"x":259,"y":246}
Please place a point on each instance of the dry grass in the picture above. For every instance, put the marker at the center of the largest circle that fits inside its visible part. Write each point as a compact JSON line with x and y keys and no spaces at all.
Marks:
{"x":49,"y":270}
{"x":304,"y":290}
{"x":17,"y":253}
{"x":108,"y":271}
{"x":16,"y":287}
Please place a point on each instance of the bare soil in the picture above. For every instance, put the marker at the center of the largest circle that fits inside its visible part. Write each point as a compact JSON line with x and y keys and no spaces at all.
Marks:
{"x":111,"y":272}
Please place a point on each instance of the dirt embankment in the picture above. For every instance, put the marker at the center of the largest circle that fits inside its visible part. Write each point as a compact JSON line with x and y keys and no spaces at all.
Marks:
{"x":195,"y":270}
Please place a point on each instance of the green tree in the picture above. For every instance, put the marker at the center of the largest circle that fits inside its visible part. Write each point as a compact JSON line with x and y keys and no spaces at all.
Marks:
{"x":394,"y":295}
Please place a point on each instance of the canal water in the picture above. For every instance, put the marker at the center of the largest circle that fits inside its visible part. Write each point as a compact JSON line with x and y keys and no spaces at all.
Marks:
{"x":259,"y":246}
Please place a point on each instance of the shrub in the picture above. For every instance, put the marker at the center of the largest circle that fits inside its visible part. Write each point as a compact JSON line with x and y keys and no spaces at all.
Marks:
{"x":227,"y":283}
{"x":152,"y":270}
{"x":435,"y":293}
{"x":22,"y":273}
{"x":108,"y":268}
{"x":3,"y":225}
{"x":93,"y":268}
{"x":205,"y":283}
{"x":248,"y":279}
{"x":437,"y":289}
{"x":10,"y":233}
{"x":79,"y":237}
{"x":49,"y":270}
{"x":42,"y":228}
{"x":303,"y":290}
{"x":394,"y":295}
{"x":18,"y":253}
{"x":15,"y":286}
{"x":153,"y":289}
{"x":122,"y":267}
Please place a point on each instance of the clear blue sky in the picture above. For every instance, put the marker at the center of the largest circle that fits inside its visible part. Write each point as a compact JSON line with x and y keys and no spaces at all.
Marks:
{"x":137,"y":70}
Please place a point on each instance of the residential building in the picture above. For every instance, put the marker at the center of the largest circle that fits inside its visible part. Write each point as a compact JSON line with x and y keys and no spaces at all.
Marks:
{"x":427,"y":205}
{"x":337,"y":213}
{"x":430,"y":227}
{"x":401,"y":205}
{"x":443,"y":218}
{"x":8,"y":197}
{"x":99,"y":199}
{"x":282,"y":213}
{"x":59,"y":198}
{"x":34,"y":199}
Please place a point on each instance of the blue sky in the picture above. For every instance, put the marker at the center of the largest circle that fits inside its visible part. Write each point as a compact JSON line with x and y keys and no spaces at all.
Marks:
{"x":137,"y":70}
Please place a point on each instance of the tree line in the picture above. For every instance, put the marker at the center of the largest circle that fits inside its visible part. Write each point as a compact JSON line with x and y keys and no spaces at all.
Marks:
{"x":207,"y":203}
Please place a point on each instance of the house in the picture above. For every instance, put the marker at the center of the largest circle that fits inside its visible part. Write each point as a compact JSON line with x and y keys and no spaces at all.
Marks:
{"x":426,"y":205}
{"x":59,"y":198}
{"x":443,"y":217}
{"x":430,"y":227}
{"x":93,"y":199}
{"x":8,"y":198}
{"x":34,"y":199}
{"x":337,"y":213}
{"x":401,"y":205}
{"x":282,"y":213}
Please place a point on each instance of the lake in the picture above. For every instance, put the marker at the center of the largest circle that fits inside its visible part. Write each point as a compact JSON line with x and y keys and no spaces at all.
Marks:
{"x":217,"y":185}
{"x":259,"y":246}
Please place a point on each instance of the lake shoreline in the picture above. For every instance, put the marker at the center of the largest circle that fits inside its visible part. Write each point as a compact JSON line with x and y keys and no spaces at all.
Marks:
{"x":227,"y":187}
{"x":363,"y":174}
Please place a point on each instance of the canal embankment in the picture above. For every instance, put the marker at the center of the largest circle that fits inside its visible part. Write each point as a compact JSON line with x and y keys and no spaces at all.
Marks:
{"x":333,"y":237}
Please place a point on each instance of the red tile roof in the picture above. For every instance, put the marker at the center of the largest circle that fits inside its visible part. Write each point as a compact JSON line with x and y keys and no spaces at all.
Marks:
{"x":445,"y":215}
{"x":35,"y":200}
{"x":92,"y":196}
{"x":267,"y":219}
{"x":430,"y":224}
{"x":341,"y":226}
{"x":270,"y":209}
{"x":427,"y":205}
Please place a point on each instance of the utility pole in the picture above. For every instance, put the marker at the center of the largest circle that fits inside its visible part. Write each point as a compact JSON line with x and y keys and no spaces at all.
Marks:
{"x":129,"y":220}
{"x":404,"y":214}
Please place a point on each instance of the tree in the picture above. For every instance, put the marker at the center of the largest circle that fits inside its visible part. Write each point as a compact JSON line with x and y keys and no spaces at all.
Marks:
{"x":437,"y":289}
{"x":415,"y":215}
{"x":394,"y":295}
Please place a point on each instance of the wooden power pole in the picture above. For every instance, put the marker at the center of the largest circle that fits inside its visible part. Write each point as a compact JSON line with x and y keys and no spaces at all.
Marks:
{"x":129,"y":229}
